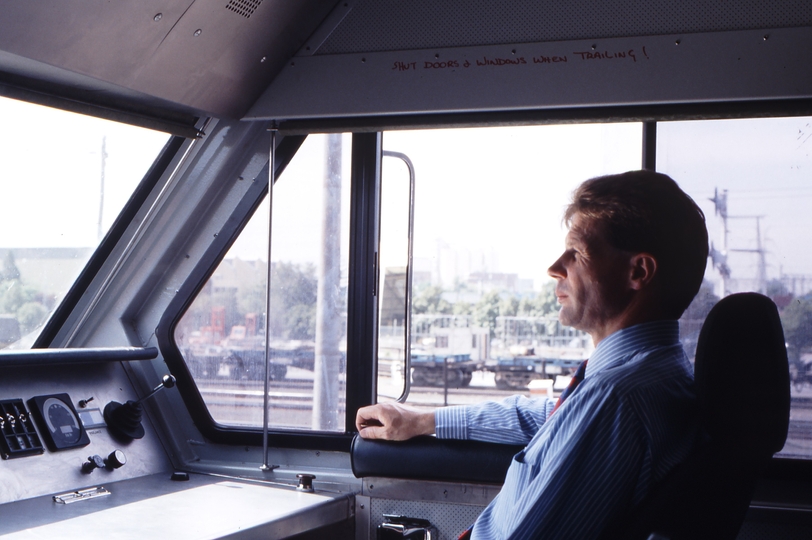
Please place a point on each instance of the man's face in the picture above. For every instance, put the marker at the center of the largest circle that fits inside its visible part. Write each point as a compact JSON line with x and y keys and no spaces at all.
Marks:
{"x":592,"y":280}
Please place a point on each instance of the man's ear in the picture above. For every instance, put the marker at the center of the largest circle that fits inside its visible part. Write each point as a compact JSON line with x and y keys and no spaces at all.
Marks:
{"x":643,"y":270}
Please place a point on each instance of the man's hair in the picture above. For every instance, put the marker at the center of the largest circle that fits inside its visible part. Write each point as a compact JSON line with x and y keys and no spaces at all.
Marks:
{"x":644,"y":211}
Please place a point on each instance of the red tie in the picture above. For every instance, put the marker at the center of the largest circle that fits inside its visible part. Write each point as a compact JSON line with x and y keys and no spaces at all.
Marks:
{"x":574,"y":382}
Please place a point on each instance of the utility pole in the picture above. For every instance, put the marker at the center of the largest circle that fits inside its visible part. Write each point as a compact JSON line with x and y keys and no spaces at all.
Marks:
{"x":761,"y":272}
{"x":719,"y":258}
{"x":100,"y":231}
{"x":329,"y":301}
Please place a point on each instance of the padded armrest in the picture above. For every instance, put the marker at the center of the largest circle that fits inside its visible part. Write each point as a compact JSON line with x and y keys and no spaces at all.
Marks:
{"x":429,"y":458}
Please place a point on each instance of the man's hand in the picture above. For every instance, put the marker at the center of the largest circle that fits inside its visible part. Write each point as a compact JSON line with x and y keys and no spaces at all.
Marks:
{"x":394,"y":422}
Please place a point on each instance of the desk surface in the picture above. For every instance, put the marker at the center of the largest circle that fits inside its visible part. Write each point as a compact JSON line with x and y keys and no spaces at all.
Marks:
{"x":154,"y":507}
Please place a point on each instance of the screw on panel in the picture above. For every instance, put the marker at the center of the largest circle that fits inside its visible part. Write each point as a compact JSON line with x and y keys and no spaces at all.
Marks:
{"x":158,"y":17}
{"x":594,"y":47}
{"x":766,"y":37}
{"x":678,"y":42}
{"x":263,"y":59}
{"x":198,"y":32}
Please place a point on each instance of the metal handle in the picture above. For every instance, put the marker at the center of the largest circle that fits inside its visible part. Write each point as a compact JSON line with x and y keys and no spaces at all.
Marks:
{"x":407,"y":330}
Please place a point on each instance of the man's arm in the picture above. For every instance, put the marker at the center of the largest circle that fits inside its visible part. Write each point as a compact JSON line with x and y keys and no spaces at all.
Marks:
{"x":511,"y":421}
{"x":393,"y":422}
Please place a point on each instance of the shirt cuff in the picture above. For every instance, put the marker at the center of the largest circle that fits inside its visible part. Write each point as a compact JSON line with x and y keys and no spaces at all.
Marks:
{"x":451,"y":423}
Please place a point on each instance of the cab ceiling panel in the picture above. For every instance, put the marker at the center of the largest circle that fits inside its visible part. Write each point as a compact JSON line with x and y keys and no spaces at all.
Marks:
{"x":394,"y":25}
{"x":388,"y":57}
{"x":212,"y":56}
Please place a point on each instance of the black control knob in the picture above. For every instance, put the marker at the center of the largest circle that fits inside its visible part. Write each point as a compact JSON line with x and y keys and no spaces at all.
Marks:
{"x":305,"y":482}
{"x":115,"y":460}
{"x":124,"y":420}
{"x":93,"y":462}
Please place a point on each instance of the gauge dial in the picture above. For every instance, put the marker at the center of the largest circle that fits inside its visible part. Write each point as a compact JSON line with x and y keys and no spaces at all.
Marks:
{"x":58,"y":422}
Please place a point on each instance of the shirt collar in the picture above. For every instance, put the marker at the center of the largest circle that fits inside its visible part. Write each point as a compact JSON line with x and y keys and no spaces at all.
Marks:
{"x":619,"y":346}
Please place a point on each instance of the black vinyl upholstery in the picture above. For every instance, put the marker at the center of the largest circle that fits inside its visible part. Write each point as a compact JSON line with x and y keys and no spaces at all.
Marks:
{"x":743,"y":397}
{"x":429,"y":458}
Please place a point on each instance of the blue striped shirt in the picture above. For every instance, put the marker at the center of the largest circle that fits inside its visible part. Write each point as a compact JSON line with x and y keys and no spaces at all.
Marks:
{"x":627,"y":424}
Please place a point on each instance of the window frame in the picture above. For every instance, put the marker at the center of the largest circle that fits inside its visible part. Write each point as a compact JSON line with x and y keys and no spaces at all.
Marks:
{"x":364,"y":212}
{"x":363,"y":241}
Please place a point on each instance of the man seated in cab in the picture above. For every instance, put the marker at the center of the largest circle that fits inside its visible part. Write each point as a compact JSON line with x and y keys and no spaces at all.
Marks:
{"x":634,"y":258}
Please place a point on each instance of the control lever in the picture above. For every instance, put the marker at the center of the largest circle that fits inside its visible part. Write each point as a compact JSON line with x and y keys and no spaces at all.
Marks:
{"x":168,"y":381}
{"x":124,"y":420}
{"x":115,"y":460}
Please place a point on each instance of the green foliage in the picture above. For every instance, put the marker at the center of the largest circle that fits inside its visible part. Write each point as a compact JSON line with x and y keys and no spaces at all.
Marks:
{"x":430,"y":300}
{"x":293,"y":302}
{"x":294,"y":290}
{"x":701,"y":304}
{"x":509,"y":306}
{"x":541,"y":304}
{"x":30,"y":315}
{"x":776,"y":288}
{"x":26,"y":303}
{"x":486,"y":311}
{"x":797,"y":321}
{"x":463,"y":308}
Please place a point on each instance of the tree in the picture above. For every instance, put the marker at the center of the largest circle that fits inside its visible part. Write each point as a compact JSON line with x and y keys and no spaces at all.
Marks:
{"x":30,"y":315}
{"x":294,"y":290}
{"x":797,"y":321}
{"x":702,"y":303}
{"x":509,"y":307}
{"x":486,"y":311}
{"x":430,"y":300}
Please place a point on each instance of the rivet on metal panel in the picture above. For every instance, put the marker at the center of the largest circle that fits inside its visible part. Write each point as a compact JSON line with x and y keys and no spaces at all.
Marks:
{"x":594,"y":47}
{"x":677,"y":42}
{"x":766,"y":37}
{"x":198,"y":32}
{"x":363,"y":60}
{"x":158,"y":17}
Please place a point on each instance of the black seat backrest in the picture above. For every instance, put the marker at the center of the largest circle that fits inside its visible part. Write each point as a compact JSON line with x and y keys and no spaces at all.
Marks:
{"x":743,"y":398}
{"x":742,"y":376}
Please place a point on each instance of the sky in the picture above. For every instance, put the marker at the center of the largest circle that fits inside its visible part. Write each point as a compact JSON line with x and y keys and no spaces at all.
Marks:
{"x":50,"y":173}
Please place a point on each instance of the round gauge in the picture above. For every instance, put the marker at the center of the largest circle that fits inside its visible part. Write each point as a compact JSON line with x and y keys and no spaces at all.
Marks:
{"x":58,"y":422}
{"x":61,"y":421}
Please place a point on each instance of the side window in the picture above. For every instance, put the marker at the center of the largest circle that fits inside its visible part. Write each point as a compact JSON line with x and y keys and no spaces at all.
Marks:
{"x":59,"y":201}
{"x":222,"y":336}
{"x":488,"y":205}
{"x":751,"y":178}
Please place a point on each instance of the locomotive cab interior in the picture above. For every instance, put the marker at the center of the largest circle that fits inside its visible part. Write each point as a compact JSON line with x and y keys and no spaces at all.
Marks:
{"x":229,"y":225}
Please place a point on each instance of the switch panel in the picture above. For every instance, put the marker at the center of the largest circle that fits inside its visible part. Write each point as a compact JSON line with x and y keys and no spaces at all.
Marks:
{"x":19,"y":437}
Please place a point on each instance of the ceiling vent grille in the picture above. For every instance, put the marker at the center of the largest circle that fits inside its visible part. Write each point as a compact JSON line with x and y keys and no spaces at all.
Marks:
{"x":245,"y":8}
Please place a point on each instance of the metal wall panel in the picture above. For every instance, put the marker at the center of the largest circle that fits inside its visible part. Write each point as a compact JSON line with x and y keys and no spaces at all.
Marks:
{"x":204,"y":54}
{"x":393,"y":25}
{"x":690,"y":68}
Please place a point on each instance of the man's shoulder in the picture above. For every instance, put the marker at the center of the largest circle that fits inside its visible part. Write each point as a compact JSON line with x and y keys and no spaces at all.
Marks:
{"x":648,"y":369}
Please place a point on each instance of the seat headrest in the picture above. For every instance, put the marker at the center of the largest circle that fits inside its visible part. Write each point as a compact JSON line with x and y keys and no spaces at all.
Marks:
{"x":742,"y":375}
